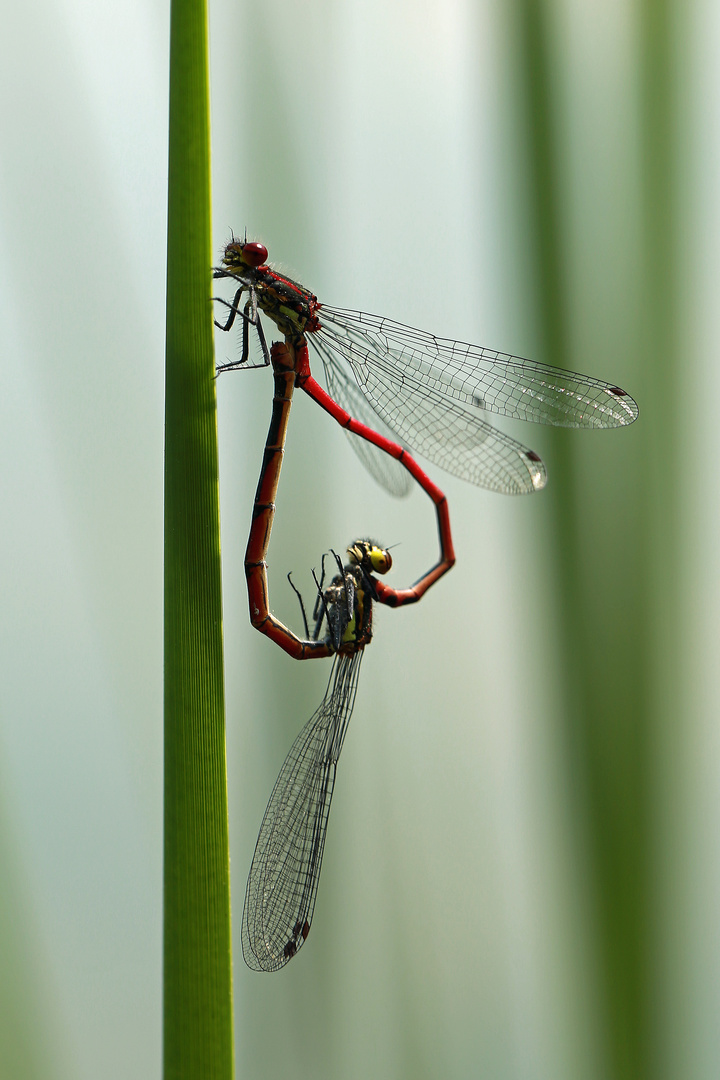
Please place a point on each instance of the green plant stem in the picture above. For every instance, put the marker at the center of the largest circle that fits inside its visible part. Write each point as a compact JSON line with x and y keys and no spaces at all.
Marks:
{"x":603,"y":584}
{"x":197,"y":1018}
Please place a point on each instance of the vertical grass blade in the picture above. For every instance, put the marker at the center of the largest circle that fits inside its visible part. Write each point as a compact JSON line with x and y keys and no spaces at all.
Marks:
{"x":197,"y":1023}
{"x":605,"y":579}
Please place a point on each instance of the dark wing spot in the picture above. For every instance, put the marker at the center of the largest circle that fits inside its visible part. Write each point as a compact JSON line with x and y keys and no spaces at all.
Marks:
{"x":532,"y":456}
{"x":617,"y":391}
{"x":479,"y":401}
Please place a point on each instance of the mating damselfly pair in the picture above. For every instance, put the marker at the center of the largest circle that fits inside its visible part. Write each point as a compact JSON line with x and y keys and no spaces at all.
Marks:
{"x":395,"y":390}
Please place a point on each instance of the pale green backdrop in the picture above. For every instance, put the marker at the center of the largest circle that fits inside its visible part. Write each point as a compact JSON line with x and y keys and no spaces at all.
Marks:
{"x":521,"y":877}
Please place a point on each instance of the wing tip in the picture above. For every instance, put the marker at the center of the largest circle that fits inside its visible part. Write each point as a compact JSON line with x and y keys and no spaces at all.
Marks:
{"x":630,"y":410}
{"x":537,"y":472}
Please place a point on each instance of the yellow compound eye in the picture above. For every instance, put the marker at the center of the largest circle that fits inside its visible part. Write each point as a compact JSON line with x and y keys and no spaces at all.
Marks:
{"x":369,"y":555}
{"x":380,"y":560}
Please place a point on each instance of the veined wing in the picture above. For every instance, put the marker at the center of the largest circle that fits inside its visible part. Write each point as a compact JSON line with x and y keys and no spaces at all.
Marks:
{"x":480,"y":378}
{"x":388,"y":472}
{"x":445,"y":430}
{"x":283,"y":879}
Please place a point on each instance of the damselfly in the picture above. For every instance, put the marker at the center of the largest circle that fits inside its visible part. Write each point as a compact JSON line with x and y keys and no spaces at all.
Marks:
{"x":283,"y":879}
{"x":432,"y":393}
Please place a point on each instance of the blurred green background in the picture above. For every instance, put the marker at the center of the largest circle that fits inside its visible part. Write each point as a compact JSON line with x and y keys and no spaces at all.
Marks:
{"x":522,"y":872}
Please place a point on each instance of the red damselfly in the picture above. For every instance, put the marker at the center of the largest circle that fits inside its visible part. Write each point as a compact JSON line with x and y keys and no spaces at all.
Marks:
{"x":283,"y":879}
{"x":432,"y":393}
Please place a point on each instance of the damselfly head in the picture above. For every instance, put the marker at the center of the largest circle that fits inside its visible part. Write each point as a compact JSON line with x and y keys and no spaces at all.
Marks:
{"x":370,"y":556}
{"x":239,"y":254}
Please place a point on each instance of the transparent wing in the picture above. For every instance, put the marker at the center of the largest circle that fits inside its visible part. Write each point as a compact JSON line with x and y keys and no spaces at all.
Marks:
{"x":481,"y":378}
{"x":452,"y":436}
{"x":435,"y":394}
{"x":388,"y":472}
{"x":283,"y":879}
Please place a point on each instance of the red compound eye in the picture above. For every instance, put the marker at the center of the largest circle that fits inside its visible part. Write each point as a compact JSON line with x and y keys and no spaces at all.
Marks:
{"x":254,"y":254}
